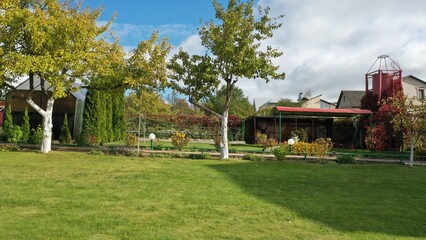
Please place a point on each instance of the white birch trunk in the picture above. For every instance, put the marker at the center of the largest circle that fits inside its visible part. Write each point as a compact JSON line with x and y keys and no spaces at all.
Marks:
{"x":46,"y":144}
{"x":411,"y":150}
{"x":224,"y":150}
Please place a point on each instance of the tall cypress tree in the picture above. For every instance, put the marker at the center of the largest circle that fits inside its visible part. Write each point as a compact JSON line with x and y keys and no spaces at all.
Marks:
{"x":26,"y":131}
{"x":65,"y":136}
{"x":8,"y":124}
{"x":89,"y":127}
{"x":118,"y":114}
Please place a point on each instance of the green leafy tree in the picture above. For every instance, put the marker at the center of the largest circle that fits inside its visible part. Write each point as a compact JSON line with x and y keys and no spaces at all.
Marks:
{"x":8,"y":124}
{"x":56,"y":42}
{"x":240,"y":105}
{"x":410,"y":118}
{"x":26,"y":129}
{"x":65,"y":137}
{"x":233,"y":42}
{"x":286,"y":102}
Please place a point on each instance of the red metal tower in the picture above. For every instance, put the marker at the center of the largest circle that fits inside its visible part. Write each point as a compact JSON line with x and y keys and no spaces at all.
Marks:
{"x":385,"y":77}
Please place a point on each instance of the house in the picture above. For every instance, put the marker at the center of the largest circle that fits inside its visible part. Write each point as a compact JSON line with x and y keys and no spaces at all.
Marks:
{"x":317,"y":102}
{"x":350,"y":99}
{"x":72,"y":105}
{"x":413,"y":87}
{"x":259,"y":103}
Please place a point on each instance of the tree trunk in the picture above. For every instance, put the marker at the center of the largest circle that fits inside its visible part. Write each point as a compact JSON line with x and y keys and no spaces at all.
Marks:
{"x":224,"y":151}
{"x":411,"y":150}
{"x":46,"y":144}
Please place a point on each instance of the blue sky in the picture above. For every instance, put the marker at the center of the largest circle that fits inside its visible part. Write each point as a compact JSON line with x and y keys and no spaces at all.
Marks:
{"x":136,"y":19}
{"x":328,"y":45}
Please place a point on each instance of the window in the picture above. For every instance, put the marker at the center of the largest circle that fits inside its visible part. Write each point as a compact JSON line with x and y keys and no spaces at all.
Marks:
{"x":421,"y":94}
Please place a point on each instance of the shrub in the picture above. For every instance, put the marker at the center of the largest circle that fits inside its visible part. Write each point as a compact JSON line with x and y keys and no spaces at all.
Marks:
{"x":266,"y":142}
{"x":87,"y":139}
{"x":300,"y":134}
{"x":420,"y":154}
{"x":131,"y":139}
{"x":65,"y":137}
{"x":7,"y":124}
{"x":36,"y":136}
{"x":302,"y":148}
{"x":346,"y":159}
{"x":26,"y":131}
{"x":180,"y":140}
{"x":254,"y":158}
{"x":281,"y":152}
{"x":322,"y":146}
{"x":15,"y":135}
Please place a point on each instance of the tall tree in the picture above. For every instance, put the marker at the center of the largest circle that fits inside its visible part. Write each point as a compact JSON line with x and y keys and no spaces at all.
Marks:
{"x":26,"y":129}
{"x":240,"y":105}
{"x":60,"y":42}
{"x":56,"y":41}
{"x":410,"y":118}
{"x":234,"y":51}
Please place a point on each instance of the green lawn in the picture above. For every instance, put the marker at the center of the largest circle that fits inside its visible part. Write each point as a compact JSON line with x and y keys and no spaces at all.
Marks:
{"x":79,"y":196}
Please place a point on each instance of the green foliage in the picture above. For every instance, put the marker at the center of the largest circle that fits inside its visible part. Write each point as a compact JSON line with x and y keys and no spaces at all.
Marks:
{"x":36,"y":136}
{"x":104,"y":119}
{"x":300,"y":135}
{"x":65,"y":136}
{"x":15,"y":135}
{"x":8,"y":124}
{"x":346,"y":159}
{"x":240,"y":105}
{"x":26,"y":131}
{"x":322,"y":146}
{"x":281,"y":152}
{"x":254,"y":158}
{"x":180,"y":140}
{"x":266,"y":142}
{"x":286,"y":102}
{"x":131,"y":139}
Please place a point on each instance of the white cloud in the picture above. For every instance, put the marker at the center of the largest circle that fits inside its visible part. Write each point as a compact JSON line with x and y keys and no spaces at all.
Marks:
{"x":329,"y":45}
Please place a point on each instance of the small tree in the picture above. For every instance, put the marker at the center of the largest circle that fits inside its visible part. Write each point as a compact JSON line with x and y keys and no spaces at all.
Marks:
{"x":7,"y":124}
{"x":411,"y":119}
{"x":235,"y":51}
{"x":65,"y":136}
{"x":26,"y":130}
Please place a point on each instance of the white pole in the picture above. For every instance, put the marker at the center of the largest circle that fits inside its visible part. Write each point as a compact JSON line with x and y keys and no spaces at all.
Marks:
{"x":139,"y":131}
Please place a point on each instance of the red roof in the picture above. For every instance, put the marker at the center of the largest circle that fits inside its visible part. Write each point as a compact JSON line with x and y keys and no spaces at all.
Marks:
{"x":322,"y":111}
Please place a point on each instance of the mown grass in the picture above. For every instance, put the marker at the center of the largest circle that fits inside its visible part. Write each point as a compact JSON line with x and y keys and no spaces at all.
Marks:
{"x":65,"y":195}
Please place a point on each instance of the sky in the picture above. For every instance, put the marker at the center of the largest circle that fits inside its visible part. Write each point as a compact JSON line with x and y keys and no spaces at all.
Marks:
{"x":328,"y":45}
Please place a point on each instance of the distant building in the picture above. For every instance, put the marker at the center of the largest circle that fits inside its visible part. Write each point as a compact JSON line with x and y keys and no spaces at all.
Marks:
{"x":317,"y":102}
{"x":350,"y":99}
{"x":72,"y":105}
{"x":412,"y":86}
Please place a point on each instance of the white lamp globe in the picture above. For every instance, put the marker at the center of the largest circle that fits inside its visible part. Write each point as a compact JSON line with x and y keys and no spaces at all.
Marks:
{"x":151,"y":136}
{"x":290,"y":141}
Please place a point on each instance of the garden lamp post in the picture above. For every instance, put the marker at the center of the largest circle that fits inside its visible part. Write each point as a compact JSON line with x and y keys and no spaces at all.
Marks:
{"x":152,"y":138}
{"x":290,"y":143}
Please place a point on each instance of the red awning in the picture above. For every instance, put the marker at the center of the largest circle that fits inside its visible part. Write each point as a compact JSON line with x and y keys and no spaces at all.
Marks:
{"x":322,"y":111}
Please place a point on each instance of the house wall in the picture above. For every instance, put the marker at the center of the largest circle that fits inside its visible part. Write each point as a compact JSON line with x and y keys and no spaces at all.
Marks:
{"x":313,"y":103}
{"x":411,"y":86}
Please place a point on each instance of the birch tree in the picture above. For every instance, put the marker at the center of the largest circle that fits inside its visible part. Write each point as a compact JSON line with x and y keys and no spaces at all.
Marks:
{"x":410,"y":118}
{"x":234,"y":51}
{"x":60,"y":42}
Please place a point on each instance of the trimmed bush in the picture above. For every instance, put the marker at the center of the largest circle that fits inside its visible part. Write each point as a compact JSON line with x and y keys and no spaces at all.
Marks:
{"x":36,"y":136}
{"x":180,"y":140}
{"x":300,"y":134}
{"x":266,"y":142}
{"x":281,"y":152}
{"x":199,"y":156}
{"x":15,"y":135}
{"x":346,"y":159}
{"x":131,"y":139}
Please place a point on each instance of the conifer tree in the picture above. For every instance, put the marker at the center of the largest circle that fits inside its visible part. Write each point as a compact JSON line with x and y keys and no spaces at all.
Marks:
{"x":65,"y":136}
{"x":8,"y":124}
{"x":26,"y":131}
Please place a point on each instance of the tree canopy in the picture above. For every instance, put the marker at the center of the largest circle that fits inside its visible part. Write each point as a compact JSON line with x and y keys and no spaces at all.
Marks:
{"x":234,"y":51}
{"x":240,"y":105}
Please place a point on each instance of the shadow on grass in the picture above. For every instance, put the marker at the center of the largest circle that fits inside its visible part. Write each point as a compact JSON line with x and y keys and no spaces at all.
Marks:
{"x":388,"y":199}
